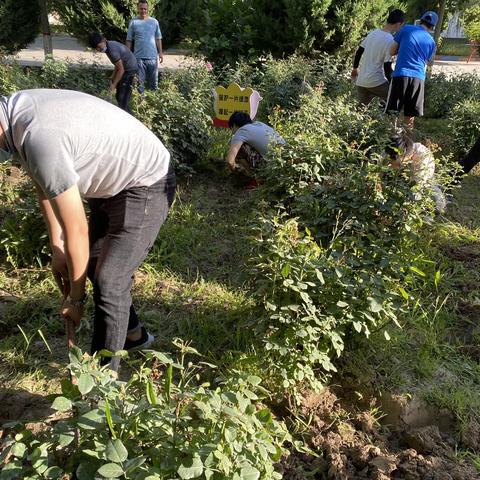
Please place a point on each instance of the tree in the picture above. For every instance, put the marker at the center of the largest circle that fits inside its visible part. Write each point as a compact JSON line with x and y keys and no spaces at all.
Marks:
{"x":471,"y":23}
{"x":111,"y":17}
{"x":19,"y":24}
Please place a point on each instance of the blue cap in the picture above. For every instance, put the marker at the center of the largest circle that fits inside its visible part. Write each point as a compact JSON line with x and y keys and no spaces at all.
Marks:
{"x":430,"y":17}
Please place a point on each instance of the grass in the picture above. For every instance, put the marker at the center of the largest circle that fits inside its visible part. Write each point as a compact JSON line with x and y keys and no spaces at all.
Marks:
{"x":454,"y":47}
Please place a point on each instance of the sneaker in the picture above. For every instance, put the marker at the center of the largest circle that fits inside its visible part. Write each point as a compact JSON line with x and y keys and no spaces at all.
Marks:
{"x":143,"y":342}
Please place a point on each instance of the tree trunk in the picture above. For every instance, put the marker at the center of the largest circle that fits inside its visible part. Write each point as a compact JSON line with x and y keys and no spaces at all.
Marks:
{"x":438,"y":28}
{"x":47,"y":37}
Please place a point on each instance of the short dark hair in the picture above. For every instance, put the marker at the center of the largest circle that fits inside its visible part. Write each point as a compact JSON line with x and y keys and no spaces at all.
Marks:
{"x":426,"y":23}
{"x":239,"y":119}
{"x":142,"y":1}
{"x":396,"y":16}
{"x":95,"y":38}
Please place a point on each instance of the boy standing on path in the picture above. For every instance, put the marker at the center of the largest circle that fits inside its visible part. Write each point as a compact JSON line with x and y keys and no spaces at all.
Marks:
{"x":75,"y":146}
{"x":373,"y":76}
{"x":144,"y":32}
{"x":415,"y":47}
{"x":125,"y":67}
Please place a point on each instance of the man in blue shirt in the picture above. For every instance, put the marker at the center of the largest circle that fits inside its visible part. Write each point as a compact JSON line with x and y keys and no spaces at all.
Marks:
{"x":415,"y":47}
{"x":144,"y":32}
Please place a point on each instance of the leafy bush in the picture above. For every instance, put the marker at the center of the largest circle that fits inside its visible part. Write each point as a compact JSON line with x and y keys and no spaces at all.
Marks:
{"x":158,"y":425}
{"x":471,"y":23}
{"x":335,"y":238}
{"x":19,"y":24}
{"x":464,"y":125}
{"x":181,"y":123}
{"x":23,"y":234}
{"x":443,"y":92}
{"x":13,"y":78}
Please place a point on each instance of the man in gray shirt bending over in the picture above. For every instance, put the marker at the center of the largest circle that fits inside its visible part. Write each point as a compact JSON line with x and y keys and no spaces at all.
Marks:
{"x":251,"y":143}
{"x":76,"y":146}
{"x":125,"y":67}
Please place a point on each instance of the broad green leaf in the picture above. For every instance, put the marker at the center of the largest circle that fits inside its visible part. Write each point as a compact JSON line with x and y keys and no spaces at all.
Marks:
{"x":168,"y":382}
{"x":230,"y":434}
{"x":134,"y":463}
{"x":12,"y":470}
{"x":116,"y":451}
{"x":249,"y":473}
{"x":53,"y":473}
{"x":190,"y":469}
{"x":62,"y":404}
{"x":85,"y":383}
{"x":18,"y":450}
{"x":86,"y":470}
{"x":91,"y":420}
{"x":374,"y":306}
{"x":65,"y":439}
{"x":110,"y":470}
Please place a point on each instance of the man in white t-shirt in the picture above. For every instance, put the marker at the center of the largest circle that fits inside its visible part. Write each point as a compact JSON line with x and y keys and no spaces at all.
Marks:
{"x":373,"y":75}
{"x":75,"y":146}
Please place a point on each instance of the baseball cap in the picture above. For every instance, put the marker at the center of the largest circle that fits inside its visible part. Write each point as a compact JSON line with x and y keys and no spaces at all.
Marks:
{"x":430,"y":17}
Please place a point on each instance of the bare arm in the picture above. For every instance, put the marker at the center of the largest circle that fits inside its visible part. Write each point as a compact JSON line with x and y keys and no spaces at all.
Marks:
{"x":394,"y":49}
{"x":158,"y":42}
{"x":232,"y":154}
{"x":117,"y":74}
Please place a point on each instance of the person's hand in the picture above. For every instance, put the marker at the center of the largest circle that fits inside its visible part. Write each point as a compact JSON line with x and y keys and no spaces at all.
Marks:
{"x":354,"y":74}
{"x":160,"y":57}
{"x":232,"y":165}
{"x":60,"y":271}
{"x":111,"y":88}
{"x":72,"y":311}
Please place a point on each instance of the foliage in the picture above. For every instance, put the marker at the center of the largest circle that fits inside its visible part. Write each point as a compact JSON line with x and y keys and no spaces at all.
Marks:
{"x":471,"y":22}
{"x":443,"y":92}
{"x":111,"y":17}
{"x":180,"y":122}
{"x":160,"y":424}
{"x":228,"y":30}
{"x":23,"y":234}
{"x":335,"y":238}
{"x":464,"y":123}
{"x":19,"y":24}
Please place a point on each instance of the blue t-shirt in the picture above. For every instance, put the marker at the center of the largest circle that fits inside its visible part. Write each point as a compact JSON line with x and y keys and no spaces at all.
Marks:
{"x":144,"y":33}
{"x":415,"y":49}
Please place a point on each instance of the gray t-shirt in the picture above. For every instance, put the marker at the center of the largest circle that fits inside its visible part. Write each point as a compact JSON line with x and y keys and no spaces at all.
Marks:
{"x":64,"y":138}
{"x":259,"y":136}
{"x":118,"y":51}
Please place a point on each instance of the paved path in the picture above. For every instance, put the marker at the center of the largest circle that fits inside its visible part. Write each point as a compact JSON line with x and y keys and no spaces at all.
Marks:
{"x":70,"y":49}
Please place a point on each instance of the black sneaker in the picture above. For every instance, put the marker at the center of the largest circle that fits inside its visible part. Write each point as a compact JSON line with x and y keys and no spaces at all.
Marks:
{"x":144,"y":341}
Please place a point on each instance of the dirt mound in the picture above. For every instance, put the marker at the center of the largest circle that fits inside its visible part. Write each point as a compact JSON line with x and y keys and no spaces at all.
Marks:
{"x":353,"y":444}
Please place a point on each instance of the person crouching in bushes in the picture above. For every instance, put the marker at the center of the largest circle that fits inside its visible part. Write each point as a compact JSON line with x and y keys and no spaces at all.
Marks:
{"x":251,"y":144}
{"x":403,"y":153}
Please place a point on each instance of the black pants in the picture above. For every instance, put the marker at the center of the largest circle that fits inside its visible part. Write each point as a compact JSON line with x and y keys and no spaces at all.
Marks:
{"x":124,"y":91}
{"x":122,"y":230}
{"x":472,"y":157}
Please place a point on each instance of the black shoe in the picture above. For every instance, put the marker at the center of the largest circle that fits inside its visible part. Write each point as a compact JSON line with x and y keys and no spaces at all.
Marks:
{"x":144,"y":341}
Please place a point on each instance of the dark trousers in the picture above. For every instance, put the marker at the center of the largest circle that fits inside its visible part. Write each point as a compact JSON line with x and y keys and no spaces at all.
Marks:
{"x":123,"y":92}
{"x":122,"y":228}
{"x":472,"y":157}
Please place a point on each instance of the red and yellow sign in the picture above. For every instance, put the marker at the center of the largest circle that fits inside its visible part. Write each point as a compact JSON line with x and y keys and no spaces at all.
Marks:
{"x":234,"y":98}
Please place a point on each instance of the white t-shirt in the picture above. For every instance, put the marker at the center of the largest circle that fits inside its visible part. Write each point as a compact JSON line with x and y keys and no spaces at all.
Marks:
{"x":65,"y":138}
{"x":377,"y":51}
{"x":259,"y":136}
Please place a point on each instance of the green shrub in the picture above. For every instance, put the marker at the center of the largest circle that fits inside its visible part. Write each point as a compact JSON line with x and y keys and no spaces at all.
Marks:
{"x":464,"y":125}
{"x":23,"y":235}
{"x":19,"y":24}
{"x":158,"y":425}
{"x":443,"y":92}
{"x":181,"y":123}
{"x":335,"y":238}
{"x":471,"y":23}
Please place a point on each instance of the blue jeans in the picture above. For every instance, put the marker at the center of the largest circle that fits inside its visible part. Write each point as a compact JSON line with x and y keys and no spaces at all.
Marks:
{"x":147,"y":74}
{"x":122,"y":230}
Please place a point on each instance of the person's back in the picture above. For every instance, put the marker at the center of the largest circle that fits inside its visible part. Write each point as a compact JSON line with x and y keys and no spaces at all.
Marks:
{"x":259,"y":136}
{"x":377,"y":51}
{"x":415,"y":49}
{"x":118,"y":51}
